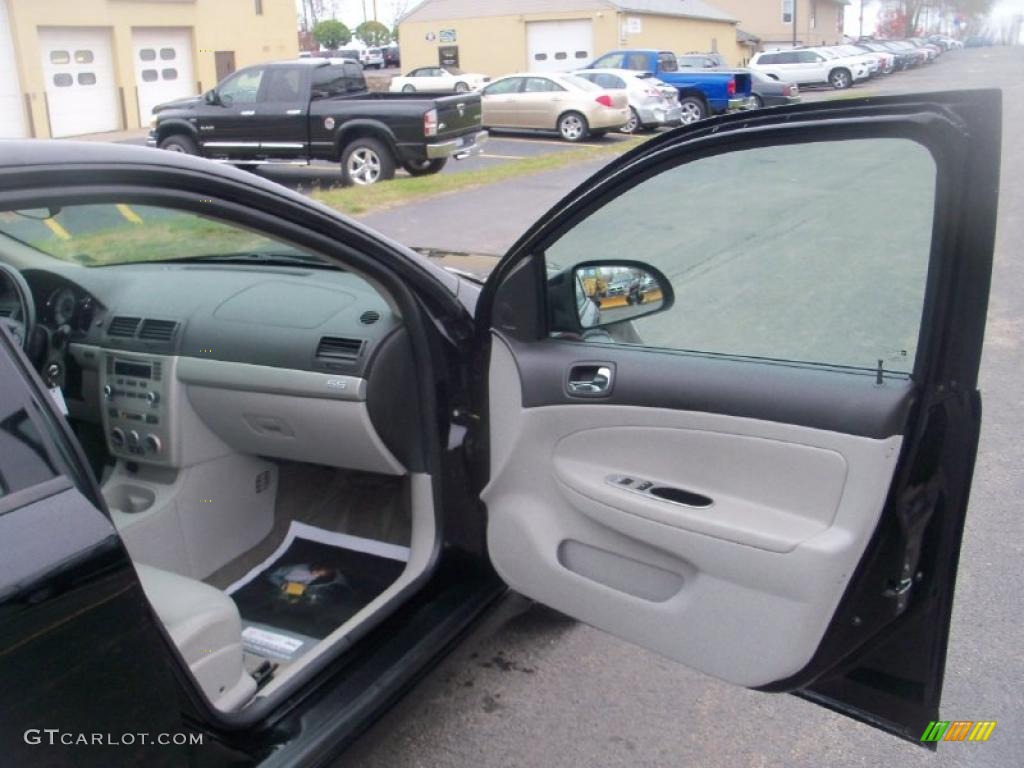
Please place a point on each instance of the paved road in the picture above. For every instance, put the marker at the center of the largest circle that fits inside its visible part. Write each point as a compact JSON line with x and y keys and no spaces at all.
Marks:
{"x":532,"y":688}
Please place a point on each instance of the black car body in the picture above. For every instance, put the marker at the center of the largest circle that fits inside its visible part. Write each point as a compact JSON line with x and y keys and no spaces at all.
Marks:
{"x":526,"y":435}
{"x":392,"y":56}
{"x":316,"y":109}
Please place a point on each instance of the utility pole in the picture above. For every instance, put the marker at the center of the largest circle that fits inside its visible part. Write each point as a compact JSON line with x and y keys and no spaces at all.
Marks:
{"x":375,"y":10}
{"x":861,"y":33}
{"x":795,"y":4}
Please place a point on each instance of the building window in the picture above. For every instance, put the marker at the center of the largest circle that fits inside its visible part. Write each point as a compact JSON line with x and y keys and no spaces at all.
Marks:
{"x":561,"y":56}
{"x":86,"y":78}
{"x":170,"y":74}
{"x":167,"y":54}
{"x":83,"y":57}
{"x":259,"y":7}
{"x":63,"y":80}
{"x":582,"y":55}
{"x":540,"y":56}
{"x":59,"y":57}
{"x":150,"y":75}
{"x":147,"y":54}
{"x":787,"y":11}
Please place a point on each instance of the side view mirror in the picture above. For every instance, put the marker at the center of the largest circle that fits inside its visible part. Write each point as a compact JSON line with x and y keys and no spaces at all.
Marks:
{"x":604,"y":293}
{"x":211,"y":97}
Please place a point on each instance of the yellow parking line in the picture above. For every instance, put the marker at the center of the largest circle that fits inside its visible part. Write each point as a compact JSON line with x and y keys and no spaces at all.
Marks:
{"x":128,"y":213}
{"x":55,"y":227}
{"x":566,"y":144}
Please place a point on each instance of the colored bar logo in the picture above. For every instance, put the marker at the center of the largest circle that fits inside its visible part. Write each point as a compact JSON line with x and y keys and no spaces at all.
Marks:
{"x":958,"y":730}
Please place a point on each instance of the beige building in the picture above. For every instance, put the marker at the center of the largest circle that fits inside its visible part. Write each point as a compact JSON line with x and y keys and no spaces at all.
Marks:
{"x":495,"y":37}
{"x":777,"y":23}
{"x":72,"y":67}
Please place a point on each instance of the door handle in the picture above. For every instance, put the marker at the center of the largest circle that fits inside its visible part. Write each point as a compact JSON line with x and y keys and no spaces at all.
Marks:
{"x":247,"y":112}
{"x":590,"y":379}
{"x":294,"y":112}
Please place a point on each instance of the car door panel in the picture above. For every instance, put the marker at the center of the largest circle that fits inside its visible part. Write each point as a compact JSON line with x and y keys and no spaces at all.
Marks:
{"x":807,"y":514}
{"x":793,"y":508}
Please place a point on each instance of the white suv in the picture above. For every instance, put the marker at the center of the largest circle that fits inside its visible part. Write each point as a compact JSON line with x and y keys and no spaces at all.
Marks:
{"x":810,"y":66}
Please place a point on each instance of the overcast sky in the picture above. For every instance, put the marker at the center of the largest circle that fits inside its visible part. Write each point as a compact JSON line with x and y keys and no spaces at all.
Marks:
{"x":351,"y":11}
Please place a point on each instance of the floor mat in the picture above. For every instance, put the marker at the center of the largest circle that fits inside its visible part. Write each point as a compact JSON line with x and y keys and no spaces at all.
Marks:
{"x":311,"y":584}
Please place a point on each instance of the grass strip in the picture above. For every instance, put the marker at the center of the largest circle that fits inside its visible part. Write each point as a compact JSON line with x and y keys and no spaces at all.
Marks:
{"x":356,"y":201}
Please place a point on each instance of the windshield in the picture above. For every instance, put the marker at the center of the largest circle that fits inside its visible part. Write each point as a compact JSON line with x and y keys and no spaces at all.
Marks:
{"x":104,"y":234}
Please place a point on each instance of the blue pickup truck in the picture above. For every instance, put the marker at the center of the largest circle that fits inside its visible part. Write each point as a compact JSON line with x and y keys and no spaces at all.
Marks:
{"x":701,"y":92}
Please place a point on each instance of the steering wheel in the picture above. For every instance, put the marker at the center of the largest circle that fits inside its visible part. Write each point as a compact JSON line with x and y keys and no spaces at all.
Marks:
{"x":23,"y":324}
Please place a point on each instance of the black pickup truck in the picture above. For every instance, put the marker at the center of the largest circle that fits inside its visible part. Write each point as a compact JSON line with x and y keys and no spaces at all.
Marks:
{"x":316,"y":109}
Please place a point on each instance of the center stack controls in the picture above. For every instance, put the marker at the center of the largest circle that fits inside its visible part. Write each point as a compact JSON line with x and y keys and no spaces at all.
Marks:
{"x":135,"y":407}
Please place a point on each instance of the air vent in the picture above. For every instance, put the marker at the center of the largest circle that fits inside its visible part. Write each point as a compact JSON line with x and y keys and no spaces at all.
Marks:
{"x":369,"y":317}
{"x":333,"y":349}
{"x":123,"y":326}
{"x":157,"y":330}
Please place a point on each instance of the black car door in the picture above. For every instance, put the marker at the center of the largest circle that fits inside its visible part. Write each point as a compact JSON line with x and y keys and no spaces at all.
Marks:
{"x":227,"y":127}
{"x":758,"y":462}
{"x":281,"y":111}
{"x":72,"y":605}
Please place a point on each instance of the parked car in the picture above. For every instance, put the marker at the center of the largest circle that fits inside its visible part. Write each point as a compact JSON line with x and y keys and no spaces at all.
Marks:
{"x":921,"y":56}
{"x":319,"y":109}
{"x":809,"y":66}
{"x":177,"y":387}
{"x":769,"y":92}
{"x":700,"y":61}
{"x":392,"y":56}
{"x":574,"y":107}
{"x":652,"y":103}
{"x":897,"y":60}
{"x":880,"y":63}
{"x":438,"y":80}
{"x":977,"y":41}
{"x":701,"y":92}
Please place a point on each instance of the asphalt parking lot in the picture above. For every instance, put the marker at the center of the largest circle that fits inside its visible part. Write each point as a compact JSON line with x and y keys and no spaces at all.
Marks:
{"x":532,"y":688}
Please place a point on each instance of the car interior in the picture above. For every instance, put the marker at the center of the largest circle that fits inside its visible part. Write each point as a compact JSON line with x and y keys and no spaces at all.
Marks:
{"x":250,"y":416}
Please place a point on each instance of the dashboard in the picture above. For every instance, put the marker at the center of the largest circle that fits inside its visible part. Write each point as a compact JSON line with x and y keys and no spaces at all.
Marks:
{"x":172,"y":358}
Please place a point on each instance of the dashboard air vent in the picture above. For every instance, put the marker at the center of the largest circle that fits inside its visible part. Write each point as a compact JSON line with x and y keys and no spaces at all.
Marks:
{"x":369,"y":317}
{"x":157,"y":330}
{"x":123,"y":326}
{"x":334,"y":349}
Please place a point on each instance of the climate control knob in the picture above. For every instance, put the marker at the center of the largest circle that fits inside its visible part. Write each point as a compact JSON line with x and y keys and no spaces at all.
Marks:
{"x":152,"y":397}
{"x":153,"y":444}
{"x":133,"y":439}
{"x":117,"y":437}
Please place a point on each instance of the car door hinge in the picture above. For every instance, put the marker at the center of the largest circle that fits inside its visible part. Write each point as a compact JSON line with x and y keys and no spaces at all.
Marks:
{"x":914,"y":515}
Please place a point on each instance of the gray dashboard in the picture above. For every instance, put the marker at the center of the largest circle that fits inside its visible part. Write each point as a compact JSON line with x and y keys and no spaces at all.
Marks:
{"x":282,"y":317}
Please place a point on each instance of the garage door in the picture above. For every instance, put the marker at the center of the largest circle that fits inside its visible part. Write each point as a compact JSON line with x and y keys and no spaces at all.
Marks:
{"x":12,"y":112}
{"x":81,"y":93}
{"x":559,"y":46}
{"x":163,"y":67}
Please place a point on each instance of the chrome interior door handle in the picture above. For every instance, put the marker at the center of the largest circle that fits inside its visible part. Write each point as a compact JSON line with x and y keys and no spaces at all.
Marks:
{"x":590,"y":379}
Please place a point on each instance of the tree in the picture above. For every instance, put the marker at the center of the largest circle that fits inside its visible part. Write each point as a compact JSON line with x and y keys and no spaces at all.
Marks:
{"x":373,"y":33}
{"x":331,"y":34}
{"x":903,"y":18}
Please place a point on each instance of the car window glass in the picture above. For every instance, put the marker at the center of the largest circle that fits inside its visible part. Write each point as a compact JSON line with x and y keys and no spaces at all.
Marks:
{"x":611,"y":61}
{"x":242,"y":88}
{"x":24,"y":458}
{"x":508,"y":85}
{"x":540,"y":85}
{"x":329,"y":81}
{"x":666,"y":62}
{"x":761,"y":264}
{"x":283,"y":84}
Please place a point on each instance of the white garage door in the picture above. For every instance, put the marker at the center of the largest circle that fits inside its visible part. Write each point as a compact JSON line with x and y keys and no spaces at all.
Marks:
{"x":81,"y":93}
{"x":12,"y":111}
{"x":163,"y":67}
{"x":559,"y":46}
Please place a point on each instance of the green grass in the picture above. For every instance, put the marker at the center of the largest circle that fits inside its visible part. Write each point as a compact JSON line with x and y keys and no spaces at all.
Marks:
{"x":361,"y":200}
